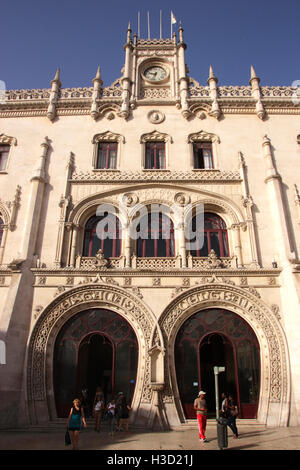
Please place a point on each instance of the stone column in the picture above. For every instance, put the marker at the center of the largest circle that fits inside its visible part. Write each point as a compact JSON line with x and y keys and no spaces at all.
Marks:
{"x":281,"y":240}
{"x":127,"y":246}
{"x":75,"y":231}
{"x":63,"y":204}
{"x":248,"y":204}
{"x":3,"y":241}
{"x":237,"y":244}
{"x":35,"y":201}
{"x":182,"y":244}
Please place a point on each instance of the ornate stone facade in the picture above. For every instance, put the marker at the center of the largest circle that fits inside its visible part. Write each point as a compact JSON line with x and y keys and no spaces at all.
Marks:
{"x":50,"y":271}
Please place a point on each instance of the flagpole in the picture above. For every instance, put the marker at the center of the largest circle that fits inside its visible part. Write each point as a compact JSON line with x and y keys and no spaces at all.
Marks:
{"x":160,"y":28}
{"x":148,"y":24}
{"x":139,"y":30}
{"x":171,"y":25}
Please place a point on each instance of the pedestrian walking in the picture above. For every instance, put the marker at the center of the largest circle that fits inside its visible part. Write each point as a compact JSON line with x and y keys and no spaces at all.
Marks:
{"x":123,"y":414}
{"x":111,"y":416}
{"x":224,"y":405}
{"x":232,"y":413}
{"x":98,"y":408}
{"x":84,"y":399}
{"x":201,"y":410}
{"x":75,"y":421}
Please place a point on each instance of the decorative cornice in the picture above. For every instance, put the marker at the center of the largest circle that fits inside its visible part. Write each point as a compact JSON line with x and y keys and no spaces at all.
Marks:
{"x":231,"y":99}
{"x":176,"y":272}
{"x":111,"y":176}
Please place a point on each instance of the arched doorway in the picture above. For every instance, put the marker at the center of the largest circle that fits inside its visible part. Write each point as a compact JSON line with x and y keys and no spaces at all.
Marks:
{"x":216,"y":350}
{"x":96,"y":347}
{"x":95,"y":366}
{"x":217,"y":337}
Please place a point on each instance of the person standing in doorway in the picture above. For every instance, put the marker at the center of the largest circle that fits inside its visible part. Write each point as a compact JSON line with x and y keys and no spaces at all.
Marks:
{"x":201,"y":410}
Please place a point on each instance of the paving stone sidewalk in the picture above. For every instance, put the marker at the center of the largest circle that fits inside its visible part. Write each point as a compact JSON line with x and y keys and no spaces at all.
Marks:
{"x":251,"y":438}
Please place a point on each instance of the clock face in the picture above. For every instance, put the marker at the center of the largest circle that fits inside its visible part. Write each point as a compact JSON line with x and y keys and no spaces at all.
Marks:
{"x":155,"y":73}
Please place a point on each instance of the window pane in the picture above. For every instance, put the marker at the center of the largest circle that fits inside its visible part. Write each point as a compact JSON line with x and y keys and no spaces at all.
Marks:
{"x":225,"y":244}
{"x":1,"y":230}
{"x":155,"y":155}
{"x":158,"y":240}
{"x":4,"y":151}
{"x":149,"y":248}
{"x":101,"y":157}
{"x":198,"y":158}
{"x":112,"y":164}
{"x":103,"y":233}
{"x":161,"y":248}
{"x":161,"y":159}
{"x":202,"y":155}
{"x":107,"y":155}
{"x":204,"y":250}
{"x":207,"y":158}
{"x":215,"y":243}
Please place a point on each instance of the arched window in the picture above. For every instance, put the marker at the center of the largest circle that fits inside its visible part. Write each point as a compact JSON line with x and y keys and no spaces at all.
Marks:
{"x":102,"y":232}
{"x":156,"y":236}
{"x":211,"y":235}
{"x":1,"y":230}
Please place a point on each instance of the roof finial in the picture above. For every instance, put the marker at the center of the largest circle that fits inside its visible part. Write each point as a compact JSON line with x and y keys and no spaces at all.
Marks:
{"x":98,"y":76}
{"x":211,"y":73}
{"x":56,"y":79}
{"x":253,"y":75}
{"x":129,"y":33}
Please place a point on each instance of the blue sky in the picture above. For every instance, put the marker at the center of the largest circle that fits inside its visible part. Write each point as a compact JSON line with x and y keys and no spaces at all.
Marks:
{"x":37,"y":37}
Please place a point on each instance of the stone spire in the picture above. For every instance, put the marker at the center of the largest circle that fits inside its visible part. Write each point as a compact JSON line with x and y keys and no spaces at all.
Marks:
{"x":213,"y":93}
{"x":96,"y":93}
{"x":182,"y":75}
{"x":55,"y":86}
{"x":254,"y":82}
{"x":126,"y":79}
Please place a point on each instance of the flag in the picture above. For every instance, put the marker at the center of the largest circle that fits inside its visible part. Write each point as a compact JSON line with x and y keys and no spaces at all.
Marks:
{"x":173,"y":19}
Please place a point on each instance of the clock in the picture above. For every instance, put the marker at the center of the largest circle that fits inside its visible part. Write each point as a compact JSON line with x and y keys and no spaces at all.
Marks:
{"x":155,"y":73}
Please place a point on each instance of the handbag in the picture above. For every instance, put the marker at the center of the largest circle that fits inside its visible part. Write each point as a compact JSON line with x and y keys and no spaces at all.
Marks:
{"x":235,"y":411}
{"x":67,"y":438}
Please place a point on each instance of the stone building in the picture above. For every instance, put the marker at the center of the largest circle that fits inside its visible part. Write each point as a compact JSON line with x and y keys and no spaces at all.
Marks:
{"x":149,"y":231}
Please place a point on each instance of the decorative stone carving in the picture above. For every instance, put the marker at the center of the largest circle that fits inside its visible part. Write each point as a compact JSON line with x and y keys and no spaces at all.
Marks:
{"x":38,"y":309}
{"x":130,"y":199}
{"x":203,"y":136}
{"x":182,"y":199}
{"x":108,"y":136}
{"x":155,"y":136}
{"x":8,"y":140}
{"x":106,"y":177}
{"x":156,"y":117}
{"x":96,"y":262}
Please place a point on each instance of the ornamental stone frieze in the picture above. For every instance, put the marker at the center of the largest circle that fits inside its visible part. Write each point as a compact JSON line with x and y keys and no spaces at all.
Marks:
{"x":108,"y":177}
{"x":72,"y":101}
